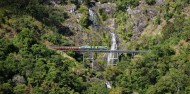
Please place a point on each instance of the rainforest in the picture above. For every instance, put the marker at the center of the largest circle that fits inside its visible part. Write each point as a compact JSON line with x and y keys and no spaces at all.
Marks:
{"x":94,"y":47}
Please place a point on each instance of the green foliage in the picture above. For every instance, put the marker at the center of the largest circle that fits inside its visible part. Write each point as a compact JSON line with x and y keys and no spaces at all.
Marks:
{"x":5,"y":87}
{"x":56,"y":17}
{"x":173,"y":82}
{"x":164,"y":69}
{"x":25,"y":38}
{"x":83,"y":9}
{"x":103,"y":15}
{"x":84,"y":20}
{"x":56,"y":39}
{"x":123,"y":4}
{"x":104,"y":1}
{"x":158,"y":20}
{"x":111,"y":73}
{"x":150,"y":2}
{"x":97,"y":88}
{"x":125,"y":27}
{"x":20,"y":89}
{"x":23,"y":22}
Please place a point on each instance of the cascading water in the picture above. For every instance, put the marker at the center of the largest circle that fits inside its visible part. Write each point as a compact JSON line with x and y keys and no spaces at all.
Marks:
{"x":93,"y":16}
{"x":110,"y":59}
{"x":91,"y":13}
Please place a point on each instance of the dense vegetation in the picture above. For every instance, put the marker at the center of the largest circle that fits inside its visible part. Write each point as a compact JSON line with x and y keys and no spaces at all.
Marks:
{"x":28,"y":65}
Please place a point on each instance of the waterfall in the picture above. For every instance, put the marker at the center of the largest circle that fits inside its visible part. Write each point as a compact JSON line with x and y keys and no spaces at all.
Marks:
{"x":91,"y":13}
{"x":93,"y":17}
{"x":108,"y":85}
{"x":110,"y":59}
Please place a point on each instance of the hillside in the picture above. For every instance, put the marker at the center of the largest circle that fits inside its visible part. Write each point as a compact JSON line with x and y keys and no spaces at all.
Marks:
{"x":28,"y":29}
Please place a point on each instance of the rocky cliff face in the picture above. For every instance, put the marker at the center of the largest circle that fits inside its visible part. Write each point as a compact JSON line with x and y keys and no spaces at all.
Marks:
{"x":139,"y":18}
{"x":94,"y":32}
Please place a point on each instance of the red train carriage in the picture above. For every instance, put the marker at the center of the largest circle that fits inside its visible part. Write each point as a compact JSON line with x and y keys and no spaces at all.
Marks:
{"x":66,"y":48}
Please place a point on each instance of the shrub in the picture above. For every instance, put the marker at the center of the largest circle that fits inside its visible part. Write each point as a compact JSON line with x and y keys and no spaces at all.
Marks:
{"x":83,"y":9}
{"x":56,"y":39}
{"x":84,"y":20}
{"x":158,"y":20}
{"x":150,"y":2}
{"x":103,"y":15}
{"x":123,"y":4}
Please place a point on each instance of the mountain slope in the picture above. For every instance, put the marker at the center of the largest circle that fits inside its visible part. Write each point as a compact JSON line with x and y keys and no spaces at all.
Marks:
{"x":28,"y":28}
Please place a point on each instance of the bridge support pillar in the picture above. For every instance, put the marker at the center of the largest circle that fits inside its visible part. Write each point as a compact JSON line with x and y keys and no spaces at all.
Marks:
{"x":90,"y":56}
{"x":114,"y":59}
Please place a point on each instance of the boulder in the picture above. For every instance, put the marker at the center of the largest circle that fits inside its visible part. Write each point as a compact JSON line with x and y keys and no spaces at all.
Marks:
{"x":18,"y":79}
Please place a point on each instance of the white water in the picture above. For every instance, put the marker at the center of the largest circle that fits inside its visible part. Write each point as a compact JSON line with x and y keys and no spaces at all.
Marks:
{"x":93,"y":16}
{"x":110,"y":59}
{"x":91,"y":13}
{"x":108,"y":85}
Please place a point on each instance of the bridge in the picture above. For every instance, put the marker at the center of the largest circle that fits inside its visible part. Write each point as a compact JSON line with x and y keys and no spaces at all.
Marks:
{"x":110,"y":51}
{"x":90,"y":50}
{"x":97,"y":49}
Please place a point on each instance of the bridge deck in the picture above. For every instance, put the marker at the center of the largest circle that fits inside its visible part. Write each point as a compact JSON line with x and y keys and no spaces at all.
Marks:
{"x":110,"y":51}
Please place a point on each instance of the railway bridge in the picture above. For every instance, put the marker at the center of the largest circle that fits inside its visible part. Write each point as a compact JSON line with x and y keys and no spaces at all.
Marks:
{"x":91,"y":50}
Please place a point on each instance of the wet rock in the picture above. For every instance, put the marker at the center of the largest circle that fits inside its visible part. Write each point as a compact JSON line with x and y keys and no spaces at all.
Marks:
{"x":91,"y":4}
{"x":93,"y":17}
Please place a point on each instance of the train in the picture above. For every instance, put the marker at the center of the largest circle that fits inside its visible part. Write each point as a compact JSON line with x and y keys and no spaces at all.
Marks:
{"x":93,"y":47}
{"x":81,"y":48}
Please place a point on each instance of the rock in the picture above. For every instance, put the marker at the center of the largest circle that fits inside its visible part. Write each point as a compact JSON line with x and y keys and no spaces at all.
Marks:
{"x":151,"y":13}
{"x":109,"y":8}
{"x":140,"y":24}
{"x":93,"y":79}
{"x":160,"y":2}
{"x":80,"y":1}
{"x":19,"y":79}
{"x":98,"y":67}
{"x":140,"y":17}
{"x":101,"y":76}
{"x":70,"y":8}
{"x":110,"y":23}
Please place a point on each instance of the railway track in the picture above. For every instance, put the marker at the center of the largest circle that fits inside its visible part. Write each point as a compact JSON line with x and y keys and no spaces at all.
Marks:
{"x":110,"y":51}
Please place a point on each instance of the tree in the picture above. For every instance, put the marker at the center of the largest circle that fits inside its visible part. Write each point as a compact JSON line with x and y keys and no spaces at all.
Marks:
{"x":173,"y":82}
{"x":20,"y":89}
{"x":25,"y":39}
